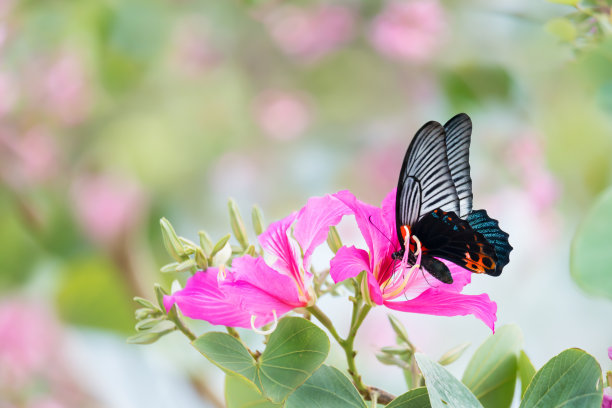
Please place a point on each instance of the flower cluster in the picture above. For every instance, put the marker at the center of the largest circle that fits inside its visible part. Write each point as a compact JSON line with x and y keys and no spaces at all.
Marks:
{"x":255,"y":291}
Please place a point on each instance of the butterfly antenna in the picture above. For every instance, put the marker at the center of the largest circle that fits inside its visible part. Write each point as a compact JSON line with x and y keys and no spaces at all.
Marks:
{"x":381,"y":233}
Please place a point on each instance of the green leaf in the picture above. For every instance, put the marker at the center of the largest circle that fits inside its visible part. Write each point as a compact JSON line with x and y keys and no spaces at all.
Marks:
{"x":327,"y":387}
{"x":526,"y":371}
{"x":240,"y":393}
{"x":295,"y":350}
{"x":590,"y":255}
{"x":228,"y":353}
{"x":491,"y":373}
{"x":444,"y":389}
{"x":571,"y":379}
{"x":417,"y":398}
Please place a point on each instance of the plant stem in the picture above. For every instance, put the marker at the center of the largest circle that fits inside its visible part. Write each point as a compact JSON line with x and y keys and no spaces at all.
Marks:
{"x":359,"y":313}
{"x":174,"y":317}
{"x":322,"y":317}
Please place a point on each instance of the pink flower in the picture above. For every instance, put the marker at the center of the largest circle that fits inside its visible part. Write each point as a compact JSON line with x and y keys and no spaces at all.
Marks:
{"x":282,"y":115}
{"x":309,"y":34}
{"x":107,"y":207}
{"x":388,"y":280}
{"x":29,"y":341}
{"x":408,"y":30}
{"x":607,"y":398}
{"x":607,"y":392}
{"x":253,"y":292}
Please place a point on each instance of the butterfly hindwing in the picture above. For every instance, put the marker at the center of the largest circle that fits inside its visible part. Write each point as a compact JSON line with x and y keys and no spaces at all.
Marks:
{"x":458,"y":135}
{"x":425,"y":182}
{"x":444,"y":235}
{"x":480,"y":221}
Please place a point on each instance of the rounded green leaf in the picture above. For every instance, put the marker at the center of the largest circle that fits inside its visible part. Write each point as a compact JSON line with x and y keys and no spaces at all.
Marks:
{"x":296,"y":349}
{"x":491,"y":373}
{"x":444,"y":389}
{"x":571,"y":379}
{"x":590,"y":255}
{"x":240,"y":393}
{"x":526,"y":371}
{"x":417,"y":398}
{"x":228,"y":353}
{"x":327,"y":387}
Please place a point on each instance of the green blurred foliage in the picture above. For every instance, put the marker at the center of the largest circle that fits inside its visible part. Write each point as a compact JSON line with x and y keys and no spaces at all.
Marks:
{"x":91,"y":293}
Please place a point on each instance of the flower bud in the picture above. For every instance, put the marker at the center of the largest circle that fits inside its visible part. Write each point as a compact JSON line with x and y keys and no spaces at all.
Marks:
{"x":159,"y":294}
{"x":201,"y":259}
{"x":220,"y":245}
{"x":223,"y":255}
{"x":144,"y":302}
{"x":171,"y":267}
{"x":205,"y":242}
{"x":453,"y":354}
{"x":237,"y":224}
{"x":171,"y":241}
{"x":187,"y":265}
{"x":333,"y":239}
{"x":399,"y":329}
{"x":147,"y":337}
{"x":258,"y":220}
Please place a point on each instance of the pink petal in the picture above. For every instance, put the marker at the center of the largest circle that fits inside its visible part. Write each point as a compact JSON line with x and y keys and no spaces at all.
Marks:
{"x":275,"y":241}
{"x":203,"y":300}
{"x":443,"y":303}
{"x":314,"y":220}
{"x":350,"y":262}
{"x":607,"y":398}
{"x":379,"y":235}
{"x":388,"y":207}
{"x":259,"y":289}
{"x":461,"y":276}
{"x":610,"y":353}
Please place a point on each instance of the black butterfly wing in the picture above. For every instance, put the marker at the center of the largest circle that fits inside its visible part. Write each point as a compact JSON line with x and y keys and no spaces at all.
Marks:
{"x":425,"y":182}
{"x":458,"y":135}
{"x":480,"y":221}
{"x":445,"y":235}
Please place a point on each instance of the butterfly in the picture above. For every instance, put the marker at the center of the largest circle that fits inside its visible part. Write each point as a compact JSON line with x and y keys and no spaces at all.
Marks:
{"x":434,"y":204}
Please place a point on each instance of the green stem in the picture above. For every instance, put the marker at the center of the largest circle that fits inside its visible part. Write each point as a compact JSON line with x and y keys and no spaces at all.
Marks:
{"x":347,"y":345}
{"x":233,"y":332}
{"x":322,"y":317}
{"x":174,"y":317}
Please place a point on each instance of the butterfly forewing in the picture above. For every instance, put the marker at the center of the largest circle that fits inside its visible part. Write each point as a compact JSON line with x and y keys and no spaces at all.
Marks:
{"x":425,"y":181}
{"x":458,"y":134}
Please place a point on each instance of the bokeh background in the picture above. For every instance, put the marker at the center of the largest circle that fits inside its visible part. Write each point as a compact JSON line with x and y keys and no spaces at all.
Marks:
{"x":116,"y":113}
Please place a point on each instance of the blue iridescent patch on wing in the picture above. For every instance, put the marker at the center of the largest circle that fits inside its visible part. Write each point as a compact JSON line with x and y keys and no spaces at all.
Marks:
{"x":480,"y":221}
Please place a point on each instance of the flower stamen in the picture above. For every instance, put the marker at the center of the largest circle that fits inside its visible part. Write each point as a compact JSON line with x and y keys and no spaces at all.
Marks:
{"x":264,"y":332}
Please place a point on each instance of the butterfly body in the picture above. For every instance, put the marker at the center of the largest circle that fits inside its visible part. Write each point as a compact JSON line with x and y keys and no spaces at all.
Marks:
{"x":434,"y":205}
